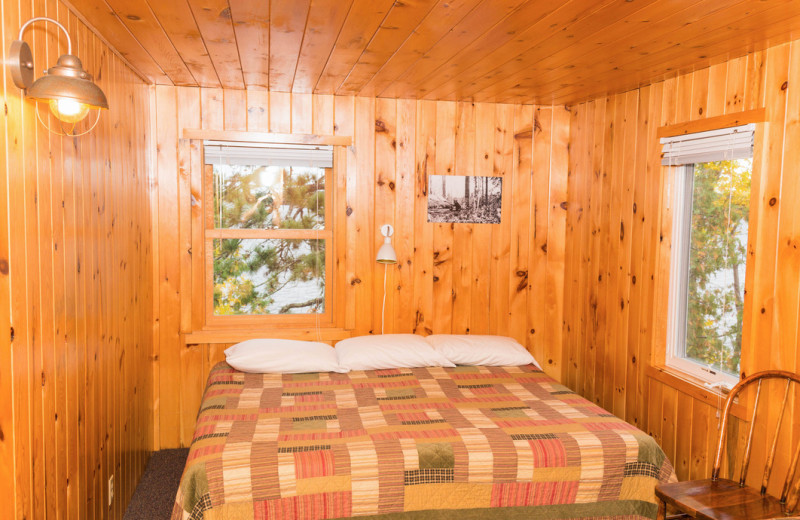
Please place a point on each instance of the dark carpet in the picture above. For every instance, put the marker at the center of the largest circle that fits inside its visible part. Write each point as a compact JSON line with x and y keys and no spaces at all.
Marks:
{"x":155,"y":494}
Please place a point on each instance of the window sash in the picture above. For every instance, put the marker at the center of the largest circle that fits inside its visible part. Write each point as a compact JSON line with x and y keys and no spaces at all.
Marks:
{"x":210,"y":232}
{"x":679,"y":285}
{"x":245,"y":320}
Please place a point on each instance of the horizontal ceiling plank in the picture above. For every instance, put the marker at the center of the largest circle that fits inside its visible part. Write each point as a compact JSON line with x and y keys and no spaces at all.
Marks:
{"x":724,"y":35}
{"x":287,"y":25}
{"x":478,"y":50}
{"x":177,"y":21}
{"x":362,"y":21}
{"x":433,"y":28}
{"x":103,"y":19}
{"x":399,"y":24}
{"x":213,"y":18}
{"x":629,"y":36}
{"x":143,"y":25}
{"x":472,"y":27}
{"x":325,"y":20}
{"x":608,"y":27}
{"x":567,"y":26}
{"x":777,"y":33}
{"x":251,"y":25}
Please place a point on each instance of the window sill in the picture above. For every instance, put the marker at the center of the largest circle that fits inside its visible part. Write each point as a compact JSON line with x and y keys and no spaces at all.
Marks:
{"x":324,"y":334}
{"x":693,"y":387}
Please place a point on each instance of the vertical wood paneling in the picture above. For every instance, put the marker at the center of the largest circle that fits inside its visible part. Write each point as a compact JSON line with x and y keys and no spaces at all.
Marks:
{"x":383,"y":209}
{"x":423,"y":273}
{"x":501,"y":235}
{"x":632,"y":193}
{"x":481,"y":255}
{"x":462,"y":235}
{"x":76,"y":290}
{"x":443,"y":233}
{"x":464,"y":278}
{"x":540,"y":196}
{"x":404,"y":216}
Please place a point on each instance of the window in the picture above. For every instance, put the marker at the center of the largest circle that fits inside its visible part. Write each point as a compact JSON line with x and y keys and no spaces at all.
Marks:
{"x":709,"y":260}
{"x":267,"y":230}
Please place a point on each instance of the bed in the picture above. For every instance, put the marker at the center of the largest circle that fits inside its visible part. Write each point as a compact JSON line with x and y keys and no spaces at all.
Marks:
{"x":420,"y":443}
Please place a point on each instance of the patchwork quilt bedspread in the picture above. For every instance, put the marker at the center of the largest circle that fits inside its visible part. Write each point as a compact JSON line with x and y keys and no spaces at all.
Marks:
{"x":421,"y":443}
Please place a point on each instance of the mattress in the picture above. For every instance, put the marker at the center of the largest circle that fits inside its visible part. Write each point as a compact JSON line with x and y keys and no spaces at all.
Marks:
{"x":418,"y":443}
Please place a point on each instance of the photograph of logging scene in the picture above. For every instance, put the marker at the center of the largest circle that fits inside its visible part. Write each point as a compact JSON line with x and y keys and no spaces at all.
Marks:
{"x":465,"y":199}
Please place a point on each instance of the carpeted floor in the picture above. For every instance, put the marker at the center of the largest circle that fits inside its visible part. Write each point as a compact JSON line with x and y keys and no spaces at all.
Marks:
{"x":155,"y":494}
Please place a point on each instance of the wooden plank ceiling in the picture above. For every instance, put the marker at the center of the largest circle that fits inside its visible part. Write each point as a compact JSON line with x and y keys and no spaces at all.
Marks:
{"x":539,"y":51}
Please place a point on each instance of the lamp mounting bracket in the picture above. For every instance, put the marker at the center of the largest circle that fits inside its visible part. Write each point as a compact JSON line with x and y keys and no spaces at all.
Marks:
{"x":20,"y":58}
{"x":21,"y":64}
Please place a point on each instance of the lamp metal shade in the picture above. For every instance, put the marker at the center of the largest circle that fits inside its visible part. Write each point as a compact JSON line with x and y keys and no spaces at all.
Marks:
{"x":68,"y":80}
{"x":386,"y":254}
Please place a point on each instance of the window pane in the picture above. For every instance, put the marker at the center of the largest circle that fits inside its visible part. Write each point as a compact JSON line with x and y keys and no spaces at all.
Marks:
{"x":717,"y":258}
{"x":268,"y":197}
{"x":256,"y":277}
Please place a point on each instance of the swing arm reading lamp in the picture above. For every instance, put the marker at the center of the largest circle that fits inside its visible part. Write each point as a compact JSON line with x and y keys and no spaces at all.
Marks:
{"x":387,"y":257}
{"x":66,"y":87}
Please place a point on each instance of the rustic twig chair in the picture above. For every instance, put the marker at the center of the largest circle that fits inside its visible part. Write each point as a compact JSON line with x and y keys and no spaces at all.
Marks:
{"x":718,"y":498}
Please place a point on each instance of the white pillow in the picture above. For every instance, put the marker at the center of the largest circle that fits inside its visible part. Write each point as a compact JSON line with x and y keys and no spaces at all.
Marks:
{"x":388,"y":351}
{"x":493,"y":351}
{"x":282,"y":356}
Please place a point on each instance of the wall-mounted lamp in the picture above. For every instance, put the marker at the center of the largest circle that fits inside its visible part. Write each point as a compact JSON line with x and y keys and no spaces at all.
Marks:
{"x":66,"y":87}
{"x":386,"y":256}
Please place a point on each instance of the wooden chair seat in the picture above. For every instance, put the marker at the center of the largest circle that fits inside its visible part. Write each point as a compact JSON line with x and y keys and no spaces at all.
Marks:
{"x":720,"y":499}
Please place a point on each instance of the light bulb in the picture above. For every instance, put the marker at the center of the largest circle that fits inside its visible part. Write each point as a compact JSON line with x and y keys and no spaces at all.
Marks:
{"x":68,"y":110}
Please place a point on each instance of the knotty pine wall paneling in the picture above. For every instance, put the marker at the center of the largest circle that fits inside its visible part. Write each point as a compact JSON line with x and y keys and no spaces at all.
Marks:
{"x":619,"y":239}
{"x":75,"y":289}
{"x":462,"y":278}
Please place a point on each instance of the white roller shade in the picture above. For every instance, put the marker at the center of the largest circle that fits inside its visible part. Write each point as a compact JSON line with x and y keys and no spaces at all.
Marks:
{"x":257,"y":154}
{"x":714,"y":145}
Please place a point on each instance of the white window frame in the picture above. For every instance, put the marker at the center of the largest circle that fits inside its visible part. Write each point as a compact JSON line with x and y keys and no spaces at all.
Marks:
{"x":679,"y":285}
{"x":322,"y":156}
{"x":682,"y":153}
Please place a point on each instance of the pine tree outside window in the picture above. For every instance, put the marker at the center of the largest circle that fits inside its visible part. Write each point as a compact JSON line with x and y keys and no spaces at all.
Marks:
{"x":268,"y":236}
{"x":709,"y":251}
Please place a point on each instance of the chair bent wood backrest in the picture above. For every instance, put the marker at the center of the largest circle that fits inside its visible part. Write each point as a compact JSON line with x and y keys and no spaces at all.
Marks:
{"x":791,"y":487}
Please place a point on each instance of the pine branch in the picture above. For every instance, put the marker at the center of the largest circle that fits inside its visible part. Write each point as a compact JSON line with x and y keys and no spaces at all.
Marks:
{"x":287,"y":308}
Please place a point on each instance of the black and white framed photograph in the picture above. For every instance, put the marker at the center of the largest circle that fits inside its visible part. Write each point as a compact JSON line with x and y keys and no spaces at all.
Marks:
{"x":465,"y":199}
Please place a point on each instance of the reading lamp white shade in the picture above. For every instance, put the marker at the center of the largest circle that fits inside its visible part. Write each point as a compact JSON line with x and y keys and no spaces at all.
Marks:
{"x":386,"y":254}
